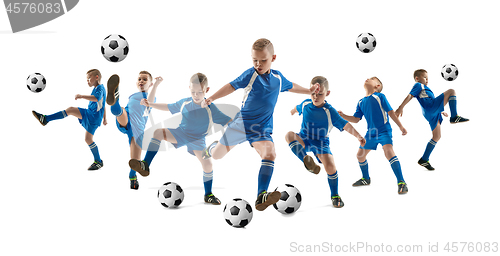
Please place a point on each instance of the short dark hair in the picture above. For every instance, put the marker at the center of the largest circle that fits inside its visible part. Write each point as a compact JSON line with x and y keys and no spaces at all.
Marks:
{"x":418,"y":72}
{"x":262,"y":44}
{"x":322,"y":81}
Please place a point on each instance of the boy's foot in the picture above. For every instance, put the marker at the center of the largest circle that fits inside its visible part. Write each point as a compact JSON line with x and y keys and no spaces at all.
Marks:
{"x":205,"y":154}
{"x":426,"y":164}
{"x":337,"y":201}
{"x":361,"y":182}
{"x":96,"y":165}
{"x":458,"y":119}
{"x":41,"y":118}
{"x":402,"y":188}
{"x":267,"y":198}
{"x":134,"y":184}
{"x":139,"y":166}
{"x":212,"y":199}
{"x":113,"y":93}
{"x":310,"y":165}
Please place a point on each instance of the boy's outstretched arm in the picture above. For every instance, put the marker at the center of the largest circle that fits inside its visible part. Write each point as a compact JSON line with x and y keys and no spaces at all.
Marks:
{"x":350,"y":129}
{"x":152,"y":94}
{"x":395,"y":118}
{"x":351,"y":119}
{"x":222,"y":92}
{"x":399,"y":111}
{"x":302,"y":90}
{"x":159,"y":106}
{"x":86,"y":97}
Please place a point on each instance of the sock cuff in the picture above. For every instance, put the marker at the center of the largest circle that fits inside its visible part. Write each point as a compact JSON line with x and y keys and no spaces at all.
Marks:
{"x":363,"y":163}
{"x":64,"y":113}
{"x":156,"y":141}
{"x":452,"y":98}
{"x":93,"y":145}
{"x":432,"y":142}
{"x":393,"y":160}
{"x":333,"y":176}
{"x":294,"y":143}
{"x":267,"y":163}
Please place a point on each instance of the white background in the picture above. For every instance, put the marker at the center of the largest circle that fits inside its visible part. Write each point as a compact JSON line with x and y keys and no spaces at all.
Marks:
{"x":51,"y":205}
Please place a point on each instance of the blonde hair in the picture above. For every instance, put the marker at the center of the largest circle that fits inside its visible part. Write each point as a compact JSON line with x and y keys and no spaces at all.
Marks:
{"x":418,"y":72}
{"x":201,"y":79}
{"x":262,"y":44}
{"x":147,"y":73}
{"x":322,"y":81}
{"x":95,"y":72}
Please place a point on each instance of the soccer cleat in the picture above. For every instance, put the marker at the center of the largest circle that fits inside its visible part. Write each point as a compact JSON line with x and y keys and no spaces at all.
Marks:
{"x":458,"y":119}
{"x":361,"y":182}
{"x":139,"y":166}
{"x":310,"y":165}
{"x":426,"y":164}
{"x":212,"y":199}
{"x":206,"y":151}
{"x":41,"y":118}
{"x":96,"y":165}
{"x":265,"y":199}
{"x":402,"y":188}
{"x":337,"y":201}
{"x":113,"y":93}
{"x":134,"y":183}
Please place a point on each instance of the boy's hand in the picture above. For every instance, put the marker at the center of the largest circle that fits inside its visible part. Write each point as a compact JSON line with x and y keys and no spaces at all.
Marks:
{"x":293,"y":111}
{"x":398,"y":112}
{"x":104,"y":121}
{"x":314,"y":88}
{"x":444,"y":114}
{"x":403,"y":130}
{"x":78,"y":96}
{"x":206,"y":102}
{"x":158,"y":81}
{"x":145,"y":102}
{"x":362,"y":141}
{"x":341,"y":113}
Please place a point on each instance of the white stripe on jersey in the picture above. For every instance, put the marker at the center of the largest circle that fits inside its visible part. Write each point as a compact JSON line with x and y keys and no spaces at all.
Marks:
{"x":423,"y":94}
{"x":248,"y":89}
{"x":384,"y":113}
{"x":210,"y":121}
{"x":330,"y":124}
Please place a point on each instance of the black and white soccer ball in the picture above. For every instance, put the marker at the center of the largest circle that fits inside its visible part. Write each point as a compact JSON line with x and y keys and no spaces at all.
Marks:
{"x":170,"y":195}
{"x":366,"y":42}
{"x":114,"y":48}
{"x":290,"y":200}
{"x":449,"y":72}
{"x":36,"y":82}
{"x":238,"y":213}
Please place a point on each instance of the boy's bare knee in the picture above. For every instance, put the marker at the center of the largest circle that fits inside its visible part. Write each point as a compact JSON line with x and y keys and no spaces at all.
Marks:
{"x":452,"y":92}
{"x":290,"y":136}
{"x":158,"y":134}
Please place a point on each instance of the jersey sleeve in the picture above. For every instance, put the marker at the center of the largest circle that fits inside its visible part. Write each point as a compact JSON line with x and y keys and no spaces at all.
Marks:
{"x":385,"y":103}
{"x":175,"y":107}
{"x":415,"y":91}
{"x":217,"y":116}
{"x":337,"y":120}
{"x":285,"y":84}
{"x":359,"y":112}
{"x":300,"y":107}
{"x":99,"y":92}
{"x":243,"y":80}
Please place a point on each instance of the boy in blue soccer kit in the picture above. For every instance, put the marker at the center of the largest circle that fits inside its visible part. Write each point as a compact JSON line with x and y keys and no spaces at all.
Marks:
{"x":432,"y":108}
{"x":195,"y":124}
{"x":132,"y":119}
{"x":377,"y":110}
{"x":318,"y":119}
{"x":254,"y":123}
{"x":90,"y":118}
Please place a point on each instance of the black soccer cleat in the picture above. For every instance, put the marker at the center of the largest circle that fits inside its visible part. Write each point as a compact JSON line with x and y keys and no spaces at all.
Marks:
{"x":361,"y":182}
{"x":458,"y":119}
{"x":337,"y":201}
{"x":113,"y":92}
{"x":139,"y":166}
{"x":205,"y":154}
{"x":426,"y":164}
{"x":310,"y":165}
{"x":402,"y":188}
{"x":41,"y":118}
{"x":267,"y":198}
{"x":96,"y":165}
{"x":134,"y":183}
{"x":211,"y":199}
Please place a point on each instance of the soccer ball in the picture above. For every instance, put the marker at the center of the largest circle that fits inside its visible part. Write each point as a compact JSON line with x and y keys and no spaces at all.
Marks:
{"x":114,"y":48}
{"x":449,"y":72}
{"x":366,"y":42}
{"x":238,"y":213}
{"x":170,"y":195}
{"x":290,"y":199}
{"x":36,"y":82}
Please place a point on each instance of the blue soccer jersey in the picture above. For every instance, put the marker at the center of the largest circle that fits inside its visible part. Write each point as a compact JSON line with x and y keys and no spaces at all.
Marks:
{"x":97,"y":108}
{"x":422,"y":93}
{"x":317,"y":122}
{"x":375,"y":108}
{"x":260,"y":97}
{"x":431,"y":106}
{"x":197,"y":121}
{"x":137,"y":113}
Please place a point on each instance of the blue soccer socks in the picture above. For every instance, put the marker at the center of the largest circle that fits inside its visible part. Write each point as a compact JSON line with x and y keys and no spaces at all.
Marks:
{"x":265,"y":174}
{"x":116,"y":109}
{"x":396,"y":168}
{"x":132,"y":174}
{"x":95,"y":152}
{"x":153,"y":148}
{"x":333,"y":182}
{"x":428,"y":150}
{"x":364,"y":169}
{"x":207,"y":182}
{"x":297,"y":149}
{"x":56,"y":116}
{"x":452,"y":101}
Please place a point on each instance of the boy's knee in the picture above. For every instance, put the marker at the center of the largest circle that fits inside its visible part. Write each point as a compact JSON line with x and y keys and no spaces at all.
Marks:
{"x":269,"y":156}
{"x":159,"y":134}
{"x":452,"y":92}
{"x":290,"y":136}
